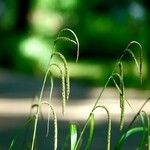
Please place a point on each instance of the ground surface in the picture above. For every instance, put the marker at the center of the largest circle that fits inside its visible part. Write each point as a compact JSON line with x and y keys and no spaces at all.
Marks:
{"x":17,"y":93}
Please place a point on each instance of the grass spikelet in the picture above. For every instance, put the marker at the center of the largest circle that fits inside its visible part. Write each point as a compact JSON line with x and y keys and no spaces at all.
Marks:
{"x":62,"y":38}
{"x":118,"y":86}
{"x":122,"y":96}
{"x":109,"y":125}
{"x":139,"y":65}
{"x":63,"y":87}
{"x":52,"y":87}
{"x":51,"y":109}
{"x":75,"y":41}
{"x":67,"y":80}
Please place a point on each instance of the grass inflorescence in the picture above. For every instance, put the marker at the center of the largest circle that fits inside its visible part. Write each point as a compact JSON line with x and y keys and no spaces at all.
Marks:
{"x":117,"y":76}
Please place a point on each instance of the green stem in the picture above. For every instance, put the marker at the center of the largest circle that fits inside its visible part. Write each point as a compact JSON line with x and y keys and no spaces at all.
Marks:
{"x":82,"y":132}
{"x":38,"y":112}
{"x":127,"y":134}
{"x":99,"y":97}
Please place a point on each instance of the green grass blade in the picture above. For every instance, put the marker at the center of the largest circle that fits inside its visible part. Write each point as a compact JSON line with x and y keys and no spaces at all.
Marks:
{"x":143,"y":117}
{"x":92,"y":124}
{"x":125,"y":136}
{"x":135,"y":117}
{"x":73,"y":135}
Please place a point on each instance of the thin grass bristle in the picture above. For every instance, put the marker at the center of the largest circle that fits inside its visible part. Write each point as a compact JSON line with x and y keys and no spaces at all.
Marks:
{"x":67,"y":79}
{"x":51,"y":109}
{"x":68,"y":39}
{"x":63,"y":38}
{"x":115,"y":82}
{"x":109,"y":124}
{"x":63,"y":86}
{"x":140,"y":57}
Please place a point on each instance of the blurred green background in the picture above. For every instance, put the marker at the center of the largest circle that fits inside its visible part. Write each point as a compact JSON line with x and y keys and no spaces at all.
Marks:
{"x":104,"y":28}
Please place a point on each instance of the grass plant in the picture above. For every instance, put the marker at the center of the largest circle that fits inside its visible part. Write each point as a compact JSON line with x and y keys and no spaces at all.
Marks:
{"x":117,"y":76}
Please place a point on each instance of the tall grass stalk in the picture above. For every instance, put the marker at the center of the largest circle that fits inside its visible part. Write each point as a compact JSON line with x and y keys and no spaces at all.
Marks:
{"x":119,"y":61}
{"x":55,"y":123}
{"x":117,"y":76}
{"x":65,"y":86}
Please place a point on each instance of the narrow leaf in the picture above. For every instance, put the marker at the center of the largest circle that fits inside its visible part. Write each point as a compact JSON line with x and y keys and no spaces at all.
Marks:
{"x":92,"y":123}
{"x":126,"y":135}
{"x":144,"y":120}
{"x":73,"y":135}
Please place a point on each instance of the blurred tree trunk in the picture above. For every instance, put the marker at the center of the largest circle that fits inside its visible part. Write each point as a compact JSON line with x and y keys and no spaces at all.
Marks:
{"x":23,"y":8}
{"x":147,"y":6}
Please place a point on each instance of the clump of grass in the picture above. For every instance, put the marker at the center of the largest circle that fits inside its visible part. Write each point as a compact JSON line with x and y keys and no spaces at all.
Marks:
{"x":65,"y":85}
{"x":144,"y":128}
{"x":117,"y":76}
{"x":63,"y":68}
{"x":120,"y":87}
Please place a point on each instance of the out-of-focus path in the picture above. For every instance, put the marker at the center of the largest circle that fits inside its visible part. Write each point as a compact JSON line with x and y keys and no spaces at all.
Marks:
{"x":17,"y":94}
